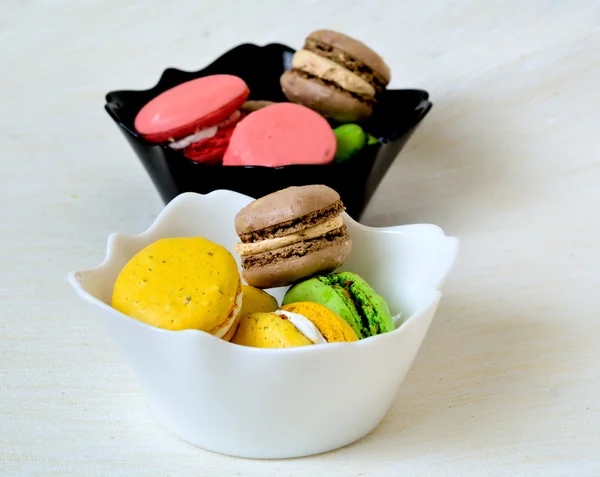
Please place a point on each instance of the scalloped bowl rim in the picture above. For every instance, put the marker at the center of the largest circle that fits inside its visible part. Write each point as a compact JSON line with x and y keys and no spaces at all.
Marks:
{"x":188,"y":72}
{"x":423,"y":107}
{"x":74,"y":279}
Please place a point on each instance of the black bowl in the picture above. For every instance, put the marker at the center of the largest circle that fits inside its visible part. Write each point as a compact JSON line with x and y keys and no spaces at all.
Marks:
{"x":395,"y":117}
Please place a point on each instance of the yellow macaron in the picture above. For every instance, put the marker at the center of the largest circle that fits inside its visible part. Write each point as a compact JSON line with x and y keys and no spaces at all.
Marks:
{"x":254,"y":300}
{"x":331,"y":325}
{"x":296,"y":324}
{"x":179,"y":284}
{"x":268,"y":330}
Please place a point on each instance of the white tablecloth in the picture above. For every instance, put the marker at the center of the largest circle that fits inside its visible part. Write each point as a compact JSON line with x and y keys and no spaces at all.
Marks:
{"x":507,"y":380}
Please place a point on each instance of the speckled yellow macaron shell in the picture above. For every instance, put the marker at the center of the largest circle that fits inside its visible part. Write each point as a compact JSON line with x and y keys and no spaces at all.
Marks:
{"x":268,"y":330}
{"x":331,"y":325}
{"x":254,"y":300}
{"x":178,"y":284}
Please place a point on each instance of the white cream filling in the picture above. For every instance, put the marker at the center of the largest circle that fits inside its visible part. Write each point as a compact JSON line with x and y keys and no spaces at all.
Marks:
{"x":303,"y":325}
{"x":236,"y":311}
{"x":198,"y":136}
{"x":203,"y":133}
{"x":244,"y":249}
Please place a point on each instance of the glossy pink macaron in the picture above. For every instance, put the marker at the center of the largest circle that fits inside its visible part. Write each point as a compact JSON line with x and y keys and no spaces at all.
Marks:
{"x":280,"y":135}
{"x":190,"y":107}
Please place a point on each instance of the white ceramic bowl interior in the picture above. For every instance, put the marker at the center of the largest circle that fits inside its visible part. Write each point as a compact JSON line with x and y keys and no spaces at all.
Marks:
{"x":275,"y":403}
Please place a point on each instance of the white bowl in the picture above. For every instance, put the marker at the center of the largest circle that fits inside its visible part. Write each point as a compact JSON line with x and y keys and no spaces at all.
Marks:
{"x":275,"y":403}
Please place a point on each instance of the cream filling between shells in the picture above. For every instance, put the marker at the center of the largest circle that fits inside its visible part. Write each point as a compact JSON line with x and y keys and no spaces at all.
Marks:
{"x":244,"y":249}
{"x":303,"y":325}
{"x":329,"y":70}
{"x":203,"y":133}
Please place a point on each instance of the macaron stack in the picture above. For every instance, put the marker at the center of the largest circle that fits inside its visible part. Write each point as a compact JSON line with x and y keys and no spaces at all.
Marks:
{"x":290,"y":235}
{"x":212,"y":121}
{"x":295,"y":237}
{"x":336,"y":75}
{"x":197,"y":117}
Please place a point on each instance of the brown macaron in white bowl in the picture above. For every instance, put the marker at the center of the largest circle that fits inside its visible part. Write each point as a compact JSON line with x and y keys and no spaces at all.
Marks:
{"x":280,"y":245}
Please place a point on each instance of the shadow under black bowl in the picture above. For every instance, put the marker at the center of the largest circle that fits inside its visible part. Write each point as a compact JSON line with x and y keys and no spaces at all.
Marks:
{"x":395,"y":117}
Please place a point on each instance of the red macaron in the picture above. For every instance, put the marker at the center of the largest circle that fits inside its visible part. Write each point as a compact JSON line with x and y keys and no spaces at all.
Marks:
{"x":197,"y":117}
{"x":281,"y":134}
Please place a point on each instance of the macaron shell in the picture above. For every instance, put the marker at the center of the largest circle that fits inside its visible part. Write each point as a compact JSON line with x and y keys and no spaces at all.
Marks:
{"x":294,"y":269}
{"x":208,"y":154}
{"x":255,"y":105}
{"x":374,"y":307}
{"x":356,"y":48}
{"x":330,"y":324}
{"x":267,"y":330}
{"x":191,"y":106}
{"x":313,"y":290}
{"x":284,"y":205}
{"x":326,"y":100}
{"x":351,"y":139}
{"x":180,"y":283}
{"x":279,"y":135}
{"x":255,"y":300}
{"x":211,"y":150}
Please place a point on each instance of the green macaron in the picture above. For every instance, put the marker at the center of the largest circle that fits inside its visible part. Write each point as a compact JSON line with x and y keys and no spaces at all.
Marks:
{"x":350,"y":297}
{"x":371,"y":140}
{"x":351,"y":139}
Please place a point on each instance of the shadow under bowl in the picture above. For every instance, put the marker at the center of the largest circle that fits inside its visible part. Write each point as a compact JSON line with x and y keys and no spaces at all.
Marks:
{"x":396,"y":115}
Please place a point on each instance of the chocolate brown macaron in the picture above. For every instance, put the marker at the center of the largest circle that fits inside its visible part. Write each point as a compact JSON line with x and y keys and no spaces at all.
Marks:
{"x":336,"y":76}
{"x":291,"y":235}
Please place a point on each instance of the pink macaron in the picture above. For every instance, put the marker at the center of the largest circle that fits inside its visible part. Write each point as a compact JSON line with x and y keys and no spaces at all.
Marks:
{"x":197,"y":116}
{"x":281,"y":134}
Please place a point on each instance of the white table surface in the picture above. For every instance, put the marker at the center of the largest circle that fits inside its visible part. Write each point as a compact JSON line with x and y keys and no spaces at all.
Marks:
{"x":507,"y":381}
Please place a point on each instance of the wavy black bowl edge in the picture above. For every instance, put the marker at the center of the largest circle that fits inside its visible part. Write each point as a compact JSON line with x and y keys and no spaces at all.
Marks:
{"x":395,"y":118}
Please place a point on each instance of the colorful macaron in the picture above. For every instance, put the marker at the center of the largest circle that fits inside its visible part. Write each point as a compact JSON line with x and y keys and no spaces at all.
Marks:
{"x":180,"y":284}
{"x":336,"y":75}
{"x":298,"y":324}
{"x":254,"y":300}
{"x":196,"y":117}
{"x":351,"y":139}
{"x":349,"y":296}
{"x":290,"y":235}
{"x":255,"y":104}
{"x":281,"y":134}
